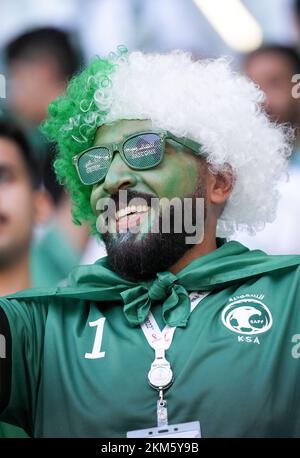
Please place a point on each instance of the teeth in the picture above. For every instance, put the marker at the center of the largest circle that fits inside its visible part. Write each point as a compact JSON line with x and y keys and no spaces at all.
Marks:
{"x":122,"y":212}
{"x":131,"y":209}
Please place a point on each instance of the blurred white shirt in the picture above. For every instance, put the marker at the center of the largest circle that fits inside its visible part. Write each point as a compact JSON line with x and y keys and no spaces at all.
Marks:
{"x":283,"y":235}
{"x":94,"y":250}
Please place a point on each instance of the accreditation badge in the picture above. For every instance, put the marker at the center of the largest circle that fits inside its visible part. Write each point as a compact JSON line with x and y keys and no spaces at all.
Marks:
{"x":181,"y":430}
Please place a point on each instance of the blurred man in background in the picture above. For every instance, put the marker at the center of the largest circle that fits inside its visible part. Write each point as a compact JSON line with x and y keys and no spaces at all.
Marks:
{"x":21,"y":207}
{"x":272,"y":67}
{"x":40,"y":63}
{"x":297,"y":14}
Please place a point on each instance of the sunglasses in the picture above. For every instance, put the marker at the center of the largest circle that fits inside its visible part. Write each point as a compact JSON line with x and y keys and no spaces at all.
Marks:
{"x":140,"y":151}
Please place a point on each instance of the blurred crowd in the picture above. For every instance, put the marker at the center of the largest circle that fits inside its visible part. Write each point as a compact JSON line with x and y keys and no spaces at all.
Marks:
{"x":39,"y":243}
{"x":39,"y":63}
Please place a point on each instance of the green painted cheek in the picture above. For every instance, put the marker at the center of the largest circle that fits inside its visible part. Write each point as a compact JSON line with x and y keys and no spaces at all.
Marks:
{"x":178,"y":176}
{"x":93,"y":200}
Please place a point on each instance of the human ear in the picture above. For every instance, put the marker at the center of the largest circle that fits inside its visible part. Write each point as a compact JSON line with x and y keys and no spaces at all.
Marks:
{"x":220,"y":185}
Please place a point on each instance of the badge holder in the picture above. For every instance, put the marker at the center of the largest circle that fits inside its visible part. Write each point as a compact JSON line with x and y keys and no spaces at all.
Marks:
{"x":160,"y":378}
{"x":181,"y":430}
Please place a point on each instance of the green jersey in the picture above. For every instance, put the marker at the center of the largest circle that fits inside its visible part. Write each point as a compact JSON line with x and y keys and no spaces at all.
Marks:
{"x":52,"y":258}
{"x":51,"y":261}
{"x":77,"y":359}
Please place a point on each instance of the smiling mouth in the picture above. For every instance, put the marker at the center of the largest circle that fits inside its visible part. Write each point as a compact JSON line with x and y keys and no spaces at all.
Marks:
{"x":124,"y":211}
{"x":130,"y":216}
{"x":129,"y":210}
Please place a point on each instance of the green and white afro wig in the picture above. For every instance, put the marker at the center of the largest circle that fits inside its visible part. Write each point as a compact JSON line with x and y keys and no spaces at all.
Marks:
{"x":203,"y":100}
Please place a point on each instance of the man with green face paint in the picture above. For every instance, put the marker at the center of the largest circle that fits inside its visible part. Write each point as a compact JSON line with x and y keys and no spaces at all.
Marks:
{"x":140,"y":254}
{"x":176,"y":329}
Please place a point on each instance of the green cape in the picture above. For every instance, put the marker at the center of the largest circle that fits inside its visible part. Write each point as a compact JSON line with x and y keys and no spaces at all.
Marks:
{"x":230,"y":263}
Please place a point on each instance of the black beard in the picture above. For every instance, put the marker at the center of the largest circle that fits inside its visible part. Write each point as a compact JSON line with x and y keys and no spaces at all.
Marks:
{"x":139,"y":260}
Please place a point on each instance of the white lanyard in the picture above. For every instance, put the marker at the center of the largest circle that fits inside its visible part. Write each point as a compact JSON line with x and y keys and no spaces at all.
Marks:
{"x":158,"y":339}
{"x":160,"y":375}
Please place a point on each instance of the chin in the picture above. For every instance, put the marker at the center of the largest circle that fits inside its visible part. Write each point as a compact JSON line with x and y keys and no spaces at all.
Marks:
{"x":140,"y":258}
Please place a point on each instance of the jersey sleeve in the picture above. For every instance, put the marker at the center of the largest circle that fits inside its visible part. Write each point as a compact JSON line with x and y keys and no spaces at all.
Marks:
{"x":22,"y":324}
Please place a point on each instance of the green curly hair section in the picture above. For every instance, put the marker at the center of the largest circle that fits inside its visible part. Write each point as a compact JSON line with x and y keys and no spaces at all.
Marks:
{"x":72,"y":123}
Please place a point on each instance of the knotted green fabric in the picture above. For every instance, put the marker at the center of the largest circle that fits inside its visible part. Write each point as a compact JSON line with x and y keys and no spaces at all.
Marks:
{"x":231,"y":263}
{"x":164,"y":289}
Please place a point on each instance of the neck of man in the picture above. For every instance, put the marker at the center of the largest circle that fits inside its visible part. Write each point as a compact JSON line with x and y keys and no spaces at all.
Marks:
{"x":208,"y":244}
{"x":16,"y":276}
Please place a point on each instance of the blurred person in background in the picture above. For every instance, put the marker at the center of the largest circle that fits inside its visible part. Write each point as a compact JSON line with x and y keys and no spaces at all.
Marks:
{"x":39,"y":64}
{"x":21,"y":207}
{"x":271,"y":67}
{"x":58,"y":243}
{"x":297,"y":15}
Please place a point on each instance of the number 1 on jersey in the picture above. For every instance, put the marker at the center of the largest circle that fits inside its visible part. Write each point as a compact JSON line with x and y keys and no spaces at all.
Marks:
{"x":96,"y":353}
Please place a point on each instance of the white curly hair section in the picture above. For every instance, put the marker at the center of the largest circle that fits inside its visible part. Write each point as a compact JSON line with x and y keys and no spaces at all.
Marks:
{"x":210,"y":103}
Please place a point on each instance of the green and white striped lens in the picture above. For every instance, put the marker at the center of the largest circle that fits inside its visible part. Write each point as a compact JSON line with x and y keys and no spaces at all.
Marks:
{"x":143,"y":151}
{"x":93,"y":165}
